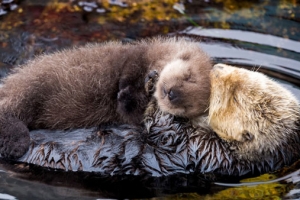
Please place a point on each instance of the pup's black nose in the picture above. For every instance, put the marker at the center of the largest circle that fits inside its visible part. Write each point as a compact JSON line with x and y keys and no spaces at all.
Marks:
{"x":172,"y":95}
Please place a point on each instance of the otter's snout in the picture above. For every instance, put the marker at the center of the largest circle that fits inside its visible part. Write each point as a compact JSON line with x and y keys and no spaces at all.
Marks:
{"x":172,"y":94}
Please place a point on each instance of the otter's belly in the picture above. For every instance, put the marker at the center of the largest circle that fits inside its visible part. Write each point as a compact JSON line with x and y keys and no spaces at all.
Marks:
{"x":171,"y":147}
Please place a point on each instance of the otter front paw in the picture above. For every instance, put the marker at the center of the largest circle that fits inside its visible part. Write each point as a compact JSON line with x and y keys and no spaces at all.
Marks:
{"x":150,"y":81}
{"x":244,"y":137}
{"x":247,"y":136}
{"x":149,"y":113}
{"x":14,"y":138}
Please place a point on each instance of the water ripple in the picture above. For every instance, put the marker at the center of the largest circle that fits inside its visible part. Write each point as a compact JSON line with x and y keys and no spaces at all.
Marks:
{"x":247,"y":36}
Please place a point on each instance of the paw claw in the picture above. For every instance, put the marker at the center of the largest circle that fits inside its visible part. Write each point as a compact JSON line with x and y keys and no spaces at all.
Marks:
{"x":248,"y":136}
{"x":148,"y":123}
{"x":150,"y":81}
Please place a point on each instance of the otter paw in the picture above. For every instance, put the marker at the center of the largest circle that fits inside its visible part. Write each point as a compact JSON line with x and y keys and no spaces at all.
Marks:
{"x":245,"y":137}
{"x":151,"y":108}
{"x":150,"y":81}
{"x":148,"y":121}
{"x":149,"y":113}
{"x":14,"y":139}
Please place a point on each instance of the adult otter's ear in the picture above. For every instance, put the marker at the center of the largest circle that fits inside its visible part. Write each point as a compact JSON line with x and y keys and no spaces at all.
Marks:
{"x":14,"y":137}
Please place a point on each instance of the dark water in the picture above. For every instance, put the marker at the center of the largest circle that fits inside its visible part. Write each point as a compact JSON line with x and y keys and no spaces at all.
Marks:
{"x":258,"y":35}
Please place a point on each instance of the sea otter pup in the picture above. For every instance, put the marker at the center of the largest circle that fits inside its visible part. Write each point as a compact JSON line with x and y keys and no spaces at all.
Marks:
{"x":91,"y":85}
{"x":252,"y":112}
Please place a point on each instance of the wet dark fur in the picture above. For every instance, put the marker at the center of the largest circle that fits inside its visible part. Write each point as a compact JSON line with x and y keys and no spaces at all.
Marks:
{"x":83,"y":87}
{"x":172,"y":146}
{"x":172,"y":156}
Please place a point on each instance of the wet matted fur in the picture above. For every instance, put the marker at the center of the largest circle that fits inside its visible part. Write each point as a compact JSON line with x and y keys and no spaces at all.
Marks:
{"x":171,"y":147}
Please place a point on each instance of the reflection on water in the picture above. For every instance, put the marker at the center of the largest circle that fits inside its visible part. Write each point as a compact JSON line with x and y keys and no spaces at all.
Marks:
{"x":258,"y":35}
{"x":16,"y":188}
{"x":7,"y":197}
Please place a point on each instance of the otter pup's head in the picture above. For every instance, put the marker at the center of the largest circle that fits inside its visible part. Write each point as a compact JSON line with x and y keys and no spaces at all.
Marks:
{"x":183,"y":87}
{"x":248,"y":106}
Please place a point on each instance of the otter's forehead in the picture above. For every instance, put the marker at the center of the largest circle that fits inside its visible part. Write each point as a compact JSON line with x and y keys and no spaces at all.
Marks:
{"x":176,"y":67}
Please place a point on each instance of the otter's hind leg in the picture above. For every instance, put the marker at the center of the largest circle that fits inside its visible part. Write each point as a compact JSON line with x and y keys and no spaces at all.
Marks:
{"x":14,"y":137}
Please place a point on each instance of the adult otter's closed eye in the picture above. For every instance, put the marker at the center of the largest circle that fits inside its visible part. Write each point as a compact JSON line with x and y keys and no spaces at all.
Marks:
{"x":88,"y":86}
{"x":250,"y":110}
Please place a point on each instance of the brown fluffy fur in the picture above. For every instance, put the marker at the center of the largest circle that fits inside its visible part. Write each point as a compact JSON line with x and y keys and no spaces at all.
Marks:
{"x":183,"y":87}
{"x":250,"y":110}
{"x":88,"y":86}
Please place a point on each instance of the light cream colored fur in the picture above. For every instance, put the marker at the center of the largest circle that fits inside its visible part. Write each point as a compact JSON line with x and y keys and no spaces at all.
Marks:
{"x":246,"y":103}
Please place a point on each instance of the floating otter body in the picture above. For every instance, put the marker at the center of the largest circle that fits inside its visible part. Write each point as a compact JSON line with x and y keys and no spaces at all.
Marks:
{"x":253,"y":113}
{"x":172,"y":147}
{"x":88,"y":86}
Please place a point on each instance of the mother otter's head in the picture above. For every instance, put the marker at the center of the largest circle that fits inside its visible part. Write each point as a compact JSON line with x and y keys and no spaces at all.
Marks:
{"x":183,"y":87}
{"x":249,"y":107}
